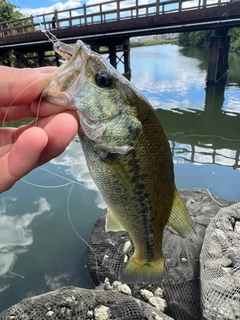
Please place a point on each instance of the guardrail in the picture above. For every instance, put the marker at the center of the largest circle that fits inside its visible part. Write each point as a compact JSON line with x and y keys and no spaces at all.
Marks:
{"x":102,"y":13}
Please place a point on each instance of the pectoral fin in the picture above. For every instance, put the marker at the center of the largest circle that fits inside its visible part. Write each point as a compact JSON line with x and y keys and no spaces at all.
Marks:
{"x":112,"y":224}
{"x":179,"y":218}
{"x":118,"y":170}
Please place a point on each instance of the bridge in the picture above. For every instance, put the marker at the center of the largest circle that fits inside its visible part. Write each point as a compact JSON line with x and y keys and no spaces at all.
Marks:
{"x":112,"y":23}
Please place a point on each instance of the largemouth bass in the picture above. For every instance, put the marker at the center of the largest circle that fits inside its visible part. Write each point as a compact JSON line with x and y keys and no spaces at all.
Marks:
{"x":127,"y":154}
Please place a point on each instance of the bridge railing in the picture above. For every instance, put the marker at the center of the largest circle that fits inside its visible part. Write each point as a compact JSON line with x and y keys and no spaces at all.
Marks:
{"x":101,"y":13}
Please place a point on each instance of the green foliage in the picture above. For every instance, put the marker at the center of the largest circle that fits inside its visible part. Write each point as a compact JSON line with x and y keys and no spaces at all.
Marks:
{"x":195,"y":38}
{"x":202,"y":38}
{"x":11,"y":19}
{"x":235,"y":38}
{"x":8,"y":11}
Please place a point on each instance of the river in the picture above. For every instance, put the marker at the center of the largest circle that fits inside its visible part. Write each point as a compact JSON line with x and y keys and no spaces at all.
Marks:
{"x":44,"y":215}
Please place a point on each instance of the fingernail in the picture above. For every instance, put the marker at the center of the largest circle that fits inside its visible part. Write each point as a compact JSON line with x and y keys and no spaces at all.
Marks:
{"x":46,"y":69}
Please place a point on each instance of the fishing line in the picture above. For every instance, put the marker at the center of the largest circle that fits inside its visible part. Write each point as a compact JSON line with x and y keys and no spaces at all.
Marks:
{"x":56,"y":186}
{"x":74,"y":229}
{"x":58,"y":175}
{"x":45,"y":186}
{"x":51,"y":37}
{"x":16,"y":274}
{"x":211,"y":196}
{"x":3,"y":123}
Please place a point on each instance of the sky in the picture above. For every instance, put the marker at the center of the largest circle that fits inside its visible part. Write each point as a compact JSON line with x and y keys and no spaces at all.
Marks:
{"x":46,"y":6}
{"x":36,"y":7}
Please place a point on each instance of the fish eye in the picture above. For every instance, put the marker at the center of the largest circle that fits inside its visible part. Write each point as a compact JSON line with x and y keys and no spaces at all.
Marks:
{"x":104,"y":78}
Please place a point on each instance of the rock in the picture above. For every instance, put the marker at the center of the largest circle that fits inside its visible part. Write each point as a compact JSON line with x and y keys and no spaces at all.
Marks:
{"x":237,"y":227}
{"x":102,"y":313}
{"x":107,"y":285}
{"x":158,"y":293}
{"x":146,"y":294}
{"x":90,"y":314}
{"x":158,"y":303}
{"x":127,"y":245}
{"x":122,"y":287}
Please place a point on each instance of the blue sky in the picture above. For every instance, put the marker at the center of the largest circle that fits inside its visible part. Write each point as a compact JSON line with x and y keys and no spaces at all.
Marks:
{"x":45,"y":6}
{"x":36,"y":7}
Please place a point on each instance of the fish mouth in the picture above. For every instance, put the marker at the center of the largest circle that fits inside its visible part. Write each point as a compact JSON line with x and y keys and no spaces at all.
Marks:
{"x":69,"y":53}
{"x":65,"y":86}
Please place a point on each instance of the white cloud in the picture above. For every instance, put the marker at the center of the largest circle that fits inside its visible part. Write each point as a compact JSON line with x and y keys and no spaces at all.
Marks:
{"x":57,"y":281}
{"x":59,"y":6}
{"x":77,"y":170}
{"x":15,"y":232}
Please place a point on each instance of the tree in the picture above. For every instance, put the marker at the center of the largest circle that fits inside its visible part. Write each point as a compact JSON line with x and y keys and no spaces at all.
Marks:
{"x":8,"y":11}
{"x":201,"y":38}
{"x":195,"y":38}
{"x":235,"y":38}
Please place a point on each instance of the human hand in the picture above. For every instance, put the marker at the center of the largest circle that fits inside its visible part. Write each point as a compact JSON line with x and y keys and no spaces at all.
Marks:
{"x":23,"y":149}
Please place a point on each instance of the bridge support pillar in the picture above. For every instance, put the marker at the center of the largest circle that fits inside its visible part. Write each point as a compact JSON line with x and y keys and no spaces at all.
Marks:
{"x":41,"y":58}
{"x":126,"y":53}
{"x":112,"y":47}
{"x":19,"y":59}
{"x":9,"y":57}
{"x":113,"y":55}
{"x":218,"y":55}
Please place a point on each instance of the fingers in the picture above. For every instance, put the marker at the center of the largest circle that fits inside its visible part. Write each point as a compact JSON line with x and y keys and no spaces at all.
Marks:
{"x":10,"y":135}
{"x":22,"y":86}
{"x":28,"y":146}
{"x":21,"y":93}
{"x":22,"y":157}
{"x":60,"y":130}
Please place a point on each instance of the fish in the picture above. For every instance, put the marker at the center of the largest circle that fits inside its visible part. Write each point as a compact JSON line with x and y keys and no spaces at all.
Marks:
{"x":127,"y":154}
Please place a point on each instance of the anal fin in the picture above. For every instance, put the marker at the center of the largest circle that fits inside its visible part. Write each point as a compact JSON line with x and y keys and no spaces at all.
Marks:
{"x":112,"y":224}
{"x":179,"y":218}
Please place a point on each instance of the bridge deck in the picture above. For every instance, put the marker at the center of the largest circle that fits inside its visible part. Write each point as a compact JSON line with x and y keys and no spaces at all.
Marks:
{"x":118,"y":18}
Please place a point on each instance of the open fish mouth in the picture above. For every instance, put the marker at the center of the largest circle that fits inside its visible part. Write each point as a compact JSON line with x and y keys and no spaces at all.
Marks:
{"x":64,"y":87}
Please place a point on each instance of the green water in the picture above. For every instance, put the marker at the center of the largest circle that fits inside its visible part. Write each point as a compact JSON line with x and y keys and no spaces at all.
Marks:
{"x":39,"y":249}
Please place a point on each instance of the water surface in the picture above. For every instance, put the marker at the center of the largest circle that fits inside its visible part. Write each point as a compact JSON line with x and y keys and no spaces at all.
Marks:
{"x":39,"y":248}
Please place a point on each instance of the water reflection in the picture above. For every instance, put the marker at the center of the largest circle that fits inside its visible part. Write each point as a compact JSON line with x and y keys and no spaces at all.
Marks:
{"x":38,"y":224}
{"x":204,"y":137}
{"x":15,"y":233}
{"x":77,"y":169}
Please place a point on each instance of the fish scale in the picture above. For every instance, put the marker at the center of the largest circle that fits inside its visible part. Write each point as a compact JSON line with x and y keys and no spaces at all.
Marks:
{"x":128,"y":156}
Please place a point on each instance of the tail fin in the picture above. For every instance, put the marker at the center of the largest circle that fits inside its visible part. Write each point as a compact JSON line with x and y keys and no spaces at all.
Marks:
{"x":138,"y":271}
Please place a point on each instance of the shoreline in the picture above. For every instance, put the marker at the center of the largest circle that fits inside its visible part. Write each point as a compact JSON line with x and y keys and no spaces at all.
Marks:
{"x":145,"y":43}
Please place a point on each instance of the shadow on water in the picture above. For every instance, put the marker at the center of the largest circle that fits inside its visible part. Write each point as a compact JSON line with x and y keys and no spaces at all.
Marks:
{"x":197,"y":53}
